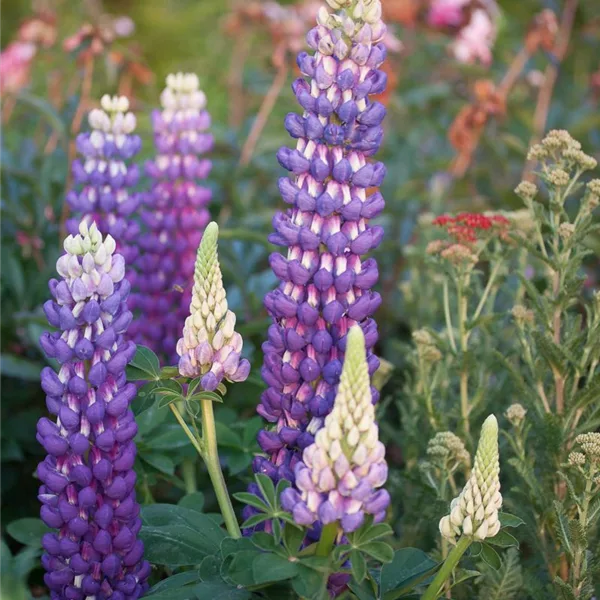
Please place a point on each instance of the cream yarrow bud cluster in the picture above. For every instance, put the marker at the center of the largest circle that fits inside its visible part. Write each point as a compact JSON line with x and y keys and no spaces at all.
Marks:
{"x":515,"y":414}
{"x":427,"y":349}
{"x":474,"y":512}
{"x":590,"y":446}
{"x":449,"y":447}
{"x":210,"y":347}
{"x":339,"y":476}
{"x":526,"y":190}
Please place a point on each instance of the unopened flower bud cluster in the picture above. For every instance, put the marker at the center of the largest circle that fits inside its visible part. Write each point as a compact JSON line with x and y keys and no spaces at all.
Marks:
{"x":516,"y":414}
{"x":474,"y":512}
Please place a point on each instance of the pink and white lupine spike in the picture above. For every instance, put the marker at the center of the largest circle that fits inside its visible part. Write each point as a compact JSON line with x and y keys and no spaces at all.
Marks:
{"x":175,"y":214}
{"x":341,"y":473}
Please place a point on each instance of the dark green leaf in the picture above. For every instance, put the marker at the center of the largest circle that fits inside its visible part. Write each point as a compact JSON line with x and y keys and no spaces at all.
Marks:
{"x":160,"y":462}
{"x":175,"y":582}
{"x":310,"y":584}
{"x":267,"y":568}
{"x":293,"y":538}
{"x":490,"y":556}
{"x":144,"y":366}
{"x":238,"y":567}
{"x":20,"y":368}
{"x":508,"y":520}
{"x":193,"y":501}
{"x":220,"y":590}
{"x":503,"y":539}
{"x":28,"y":531}
{"x":380,"y":551}
{"x":251,"y":500}
{"x":408,"y":565}
{"x":359,"y":566}
{"x":265,"y":483}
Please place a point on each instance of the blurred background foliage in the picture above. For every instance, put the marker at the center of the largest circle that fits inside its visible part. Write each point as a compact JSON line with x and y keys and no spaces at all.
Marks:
{"x":456,"y":138}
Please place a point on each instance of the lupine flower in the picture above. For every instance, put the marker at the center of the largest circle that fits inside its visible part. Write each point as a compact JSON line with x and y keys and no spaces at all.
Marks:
{"x":210,"y":347}
{"x":325,"y":283}
{"x":342,"y":470}
{"x":105,"y":176}
{"x":88,"y":482}
{"x":175,"y":215}
{"x":446,"y":13}
{"x":475,"y":511}
{"x":474,"y":41}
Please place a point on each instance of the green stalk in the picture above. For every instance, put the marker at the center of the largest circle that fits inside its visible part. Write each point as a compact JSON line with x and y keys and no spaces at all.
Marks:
{"x":328,"y":536}
{"x":435,"y":588}
{"x":464,"y":375}
{"x":211,"y":458}
{"x":448,"y":317}
{"x":583,"y":515}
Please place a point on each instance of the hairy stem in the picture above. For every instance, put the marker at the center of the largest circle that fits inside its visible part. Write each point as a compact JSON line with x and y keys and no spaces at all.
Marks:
{"x":448,"y":317}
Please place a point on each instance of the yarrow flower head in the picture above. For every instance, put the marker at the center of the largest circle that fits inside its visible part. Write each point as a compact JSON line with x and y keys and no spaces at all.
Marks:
{"x":175,"y":214}
{"x":516,"y":414}
{"x":449,"y":446}
{"x":210,"y":347}
{"x":325,"y":283}
{"x":88,"y":482}
{"x":105,"y":177}
{"x":342,"y":470}
{"x":468,"y":228}
{"x":474,"y":512}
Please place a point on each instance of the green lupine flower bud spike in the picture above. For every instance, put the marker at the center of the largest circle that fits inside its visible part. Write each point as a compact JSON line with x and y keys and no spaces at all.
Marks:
{"x":210,"y":348}
{"x":475,"y":512}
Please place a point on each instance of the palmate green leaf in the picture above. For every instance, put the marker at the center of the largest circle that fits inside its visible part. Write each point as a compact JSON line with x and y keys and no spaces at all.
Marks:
{"x":380,"y":551}
{"x":177,"y":536}
{"x":12,"y":365}
{"x":265,"y":483}
{"x":267,"y":568}
{"x":252,"y":500}
{"x":408,"y":567}
{"x":503,"y":539}
{"x":490,"y":556}
{"x":193,"y":501}
{"x":310,"y":584}
{"x":160,"y":462}
{"x":220,"y":590}
{"x":174,"y":583}
{"x":358,"y":565}
{"x":461,"y":575}
{"x":144,"y":366}
{"x":293,"y":538}
{"x":508,"y":520}
{"x":238,"y":567}
{"x":28,"y":531}
{"x":254,"y":520}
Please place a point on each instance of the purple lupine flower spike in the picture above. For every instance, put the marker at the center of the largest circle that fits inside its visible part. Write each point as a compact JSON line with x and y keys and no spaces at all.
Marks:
{"x":325,"y":280}
{"x":175,"y":215}
{"x":105,"y":177}
{"x":342,"y":471}
{"x":88,"y":482}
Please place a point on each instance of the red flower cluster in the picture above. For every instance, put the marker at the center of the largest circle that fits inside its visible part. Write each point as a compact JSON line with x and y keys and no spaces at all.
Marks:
{"x":464,"y":227}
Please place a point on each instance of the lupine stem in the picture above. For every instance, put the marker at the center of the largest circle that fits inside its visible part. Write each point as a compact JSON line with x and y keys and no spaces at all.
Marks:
{"x":327,"y":539}
{"x":434,"y":589}
{"x":211,"y":458}
{"x":195,"y":441}
{"x":448,"y":317}
{"x":464,"y":375}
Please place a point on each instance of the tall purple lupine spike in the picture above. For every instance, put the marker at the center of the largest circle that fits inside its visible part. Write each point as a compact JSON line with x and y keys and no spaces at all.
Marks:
{"x":175,"y":215}
{"x":88,"y":482}
{"x":105,"y":177}
{"x":325,"y":281}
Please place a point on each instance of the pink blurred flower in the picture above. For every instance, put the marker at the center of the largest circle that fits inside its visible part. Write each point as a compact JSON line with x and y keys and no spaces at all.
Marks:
{"x":446,"y":13}
{"x":474,"y":41}
{"x":15,"y":65}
